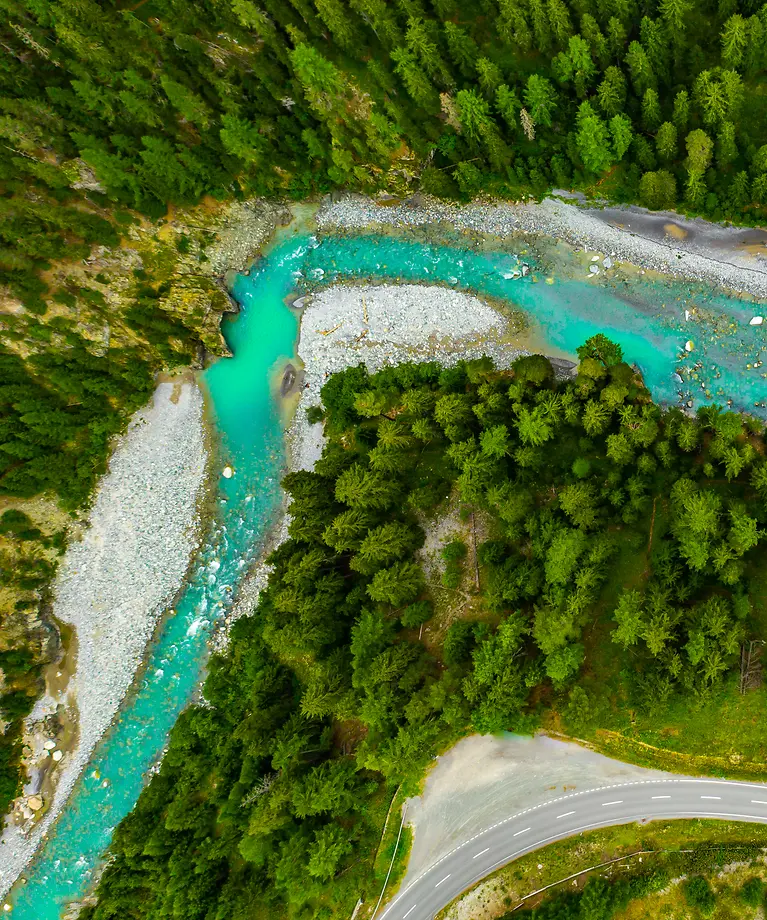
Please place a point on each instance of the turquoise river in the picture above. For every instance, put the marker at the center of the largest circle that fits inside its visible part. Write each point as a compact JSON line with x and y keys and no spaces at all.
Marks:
{"x":646,"y":317}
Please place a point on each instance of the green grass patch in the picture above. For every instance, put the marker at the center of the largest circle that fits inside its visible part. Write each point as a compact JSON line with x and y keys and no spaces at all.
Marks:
{"x":676,"y":847}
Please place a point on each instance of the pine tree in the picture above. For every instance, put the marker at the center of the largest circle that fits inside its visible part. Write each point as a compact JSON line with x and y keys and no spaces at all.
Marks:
{"x":699,"y":149}
{"x":416,"y":82}
{"x":582,"y":64}
{"x":726,"y":148}
{"x":740,"y":189}
{"x":616,"y":38}
{"x":508,"y":104}
{"x":657,"y":190}
{"x":559,"y":19}
{"x":512,"y":25}
{"x":540,"y":19}
{"x":622,"y":134}
{"x":681,"y":114}
{"x":593,"y":140}
{"x":463,"y":49}
{"x":339,"y":21}
{"x":754,"y":56}
{"x":651,"y":114}
{"x":612,"y":91}
{"x":654,"y":36}
{"x":734,"y":40}
{"x":424,"y":46}
{"x":642,"y":74}
{"x":489,"y":76}
{"x":674,"y":12}
{"x":719,"y":94}
{"x":666,"y":141}
{"x":382,"y":19}
{"x":597,"y":42}
{"x":540,"y":100}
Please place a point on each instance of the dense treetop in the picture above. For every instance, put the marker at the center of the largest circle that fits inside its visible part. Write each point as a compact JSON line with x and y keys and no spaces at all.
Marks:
{"x":169,"y":101}
{"x":329,"y":694}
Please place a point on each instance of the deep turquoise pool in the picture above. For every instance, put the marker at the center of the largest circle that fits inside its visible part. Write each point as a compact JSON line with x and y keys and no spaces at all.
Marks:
{"x":647,"y":318}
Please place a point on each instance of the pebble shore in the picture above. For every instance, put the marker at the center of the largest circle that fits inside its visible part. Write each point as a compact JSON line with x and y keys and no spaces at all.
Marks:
{"x":691,"y":259}
{"x":114,"y":584}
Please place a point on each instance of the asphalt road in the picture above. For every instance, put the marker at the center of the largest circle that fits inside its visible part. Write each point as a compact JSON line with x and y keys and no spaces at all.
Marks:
{"x":512,"y":837}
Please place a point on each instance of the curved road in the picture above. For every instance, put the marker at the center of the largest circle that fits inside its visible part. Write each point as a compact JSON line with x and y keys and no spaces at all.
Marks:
{"x":644,"y":800}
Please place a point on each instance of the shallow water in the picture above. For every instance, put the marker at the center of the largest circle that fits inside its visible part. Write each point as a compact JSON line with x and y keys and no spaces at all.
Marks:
{"x":646,"y":317}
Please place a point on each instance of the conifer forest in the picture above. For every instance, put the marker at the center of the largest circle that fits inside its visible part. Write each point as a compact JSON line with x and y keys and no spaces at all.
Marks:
{"x":616,"y":549}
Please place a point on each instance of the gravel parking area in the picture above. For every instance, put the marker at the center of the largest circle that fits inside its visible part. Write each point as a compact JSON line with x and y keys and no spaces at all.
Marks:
{"x":484,"y":778}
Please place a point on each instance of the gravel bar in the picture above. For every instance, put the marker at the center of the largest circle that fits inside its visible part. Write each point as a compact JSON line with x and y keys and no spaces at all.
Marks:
{"x":630,"y":234}
{"x":114,"y":583}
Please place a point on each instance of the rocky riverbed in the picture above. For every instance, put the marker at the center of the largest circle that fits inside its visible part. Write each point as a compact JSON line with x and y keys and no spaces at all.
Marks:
{"x":693,"y":250}
{"x":113,"y":585}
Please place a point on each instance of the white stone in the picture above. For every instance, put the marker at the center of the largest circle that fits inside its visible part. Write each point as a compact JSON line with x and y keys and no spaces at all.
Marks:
{"x":608,"y":262}
{"x":593,"y":269}
{"x":49,"y":745}
{"x":57,"y":755}
{"x":227,"y":472}
{"x":595,"y":258}
{"x":756,"y":321}
{"x":688,"y":345}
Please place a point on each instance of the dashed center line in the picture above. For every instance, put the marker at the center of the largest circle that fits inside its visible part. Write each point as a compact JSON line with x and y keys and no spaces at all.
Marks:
{"x":717,"y":797}
{"x":618,"y":802}
{"x":521,"y":832}
{"x":758,"y":802}
{"x":565,"y":815}
{"x":410,"y":912}
{"x":443,"y":880}
{"x":661,"y":796}
{"x":477,"y":855}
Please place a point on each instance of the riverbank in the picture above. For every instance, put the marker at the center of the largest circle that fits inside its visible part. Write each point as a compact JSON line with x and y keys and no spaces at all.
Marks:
{"x":113,"y":585}
{"x":693,"y":250}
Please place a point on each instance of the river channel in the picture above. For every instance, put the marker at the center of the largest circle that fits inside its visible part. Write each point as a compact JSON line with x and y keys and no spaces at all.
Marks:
{"x":652,"y":320}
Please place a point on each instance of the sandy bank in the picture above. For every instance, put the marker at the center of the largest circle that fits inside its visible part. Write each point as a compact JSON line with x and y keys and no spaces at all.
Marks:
{"x":694,"y":250}
{"x":116,"y":581}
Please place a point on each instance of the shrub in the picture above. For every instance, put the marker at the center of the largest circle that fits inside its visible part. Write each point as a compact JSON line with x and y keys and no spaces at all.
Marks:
{"x":698,"y":893}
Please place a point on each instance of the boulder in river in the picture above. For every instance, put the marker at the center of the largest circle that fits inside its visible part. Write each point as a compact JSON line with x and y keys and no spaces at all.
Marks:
{"x":756,"y":321}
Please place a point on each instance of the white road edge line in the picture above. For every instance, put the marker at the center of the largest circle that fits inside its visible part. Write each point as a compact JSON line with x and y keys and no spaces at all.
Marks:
{"x":645,"y":782}
{"x":619,"y":802}
{"x":443,"y":880}
{"x":565,"y":815}
{"x":521,"y":832}
{"x":587,"y":827}
{"x":477,"y":855}
{"x":410,"y":912}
